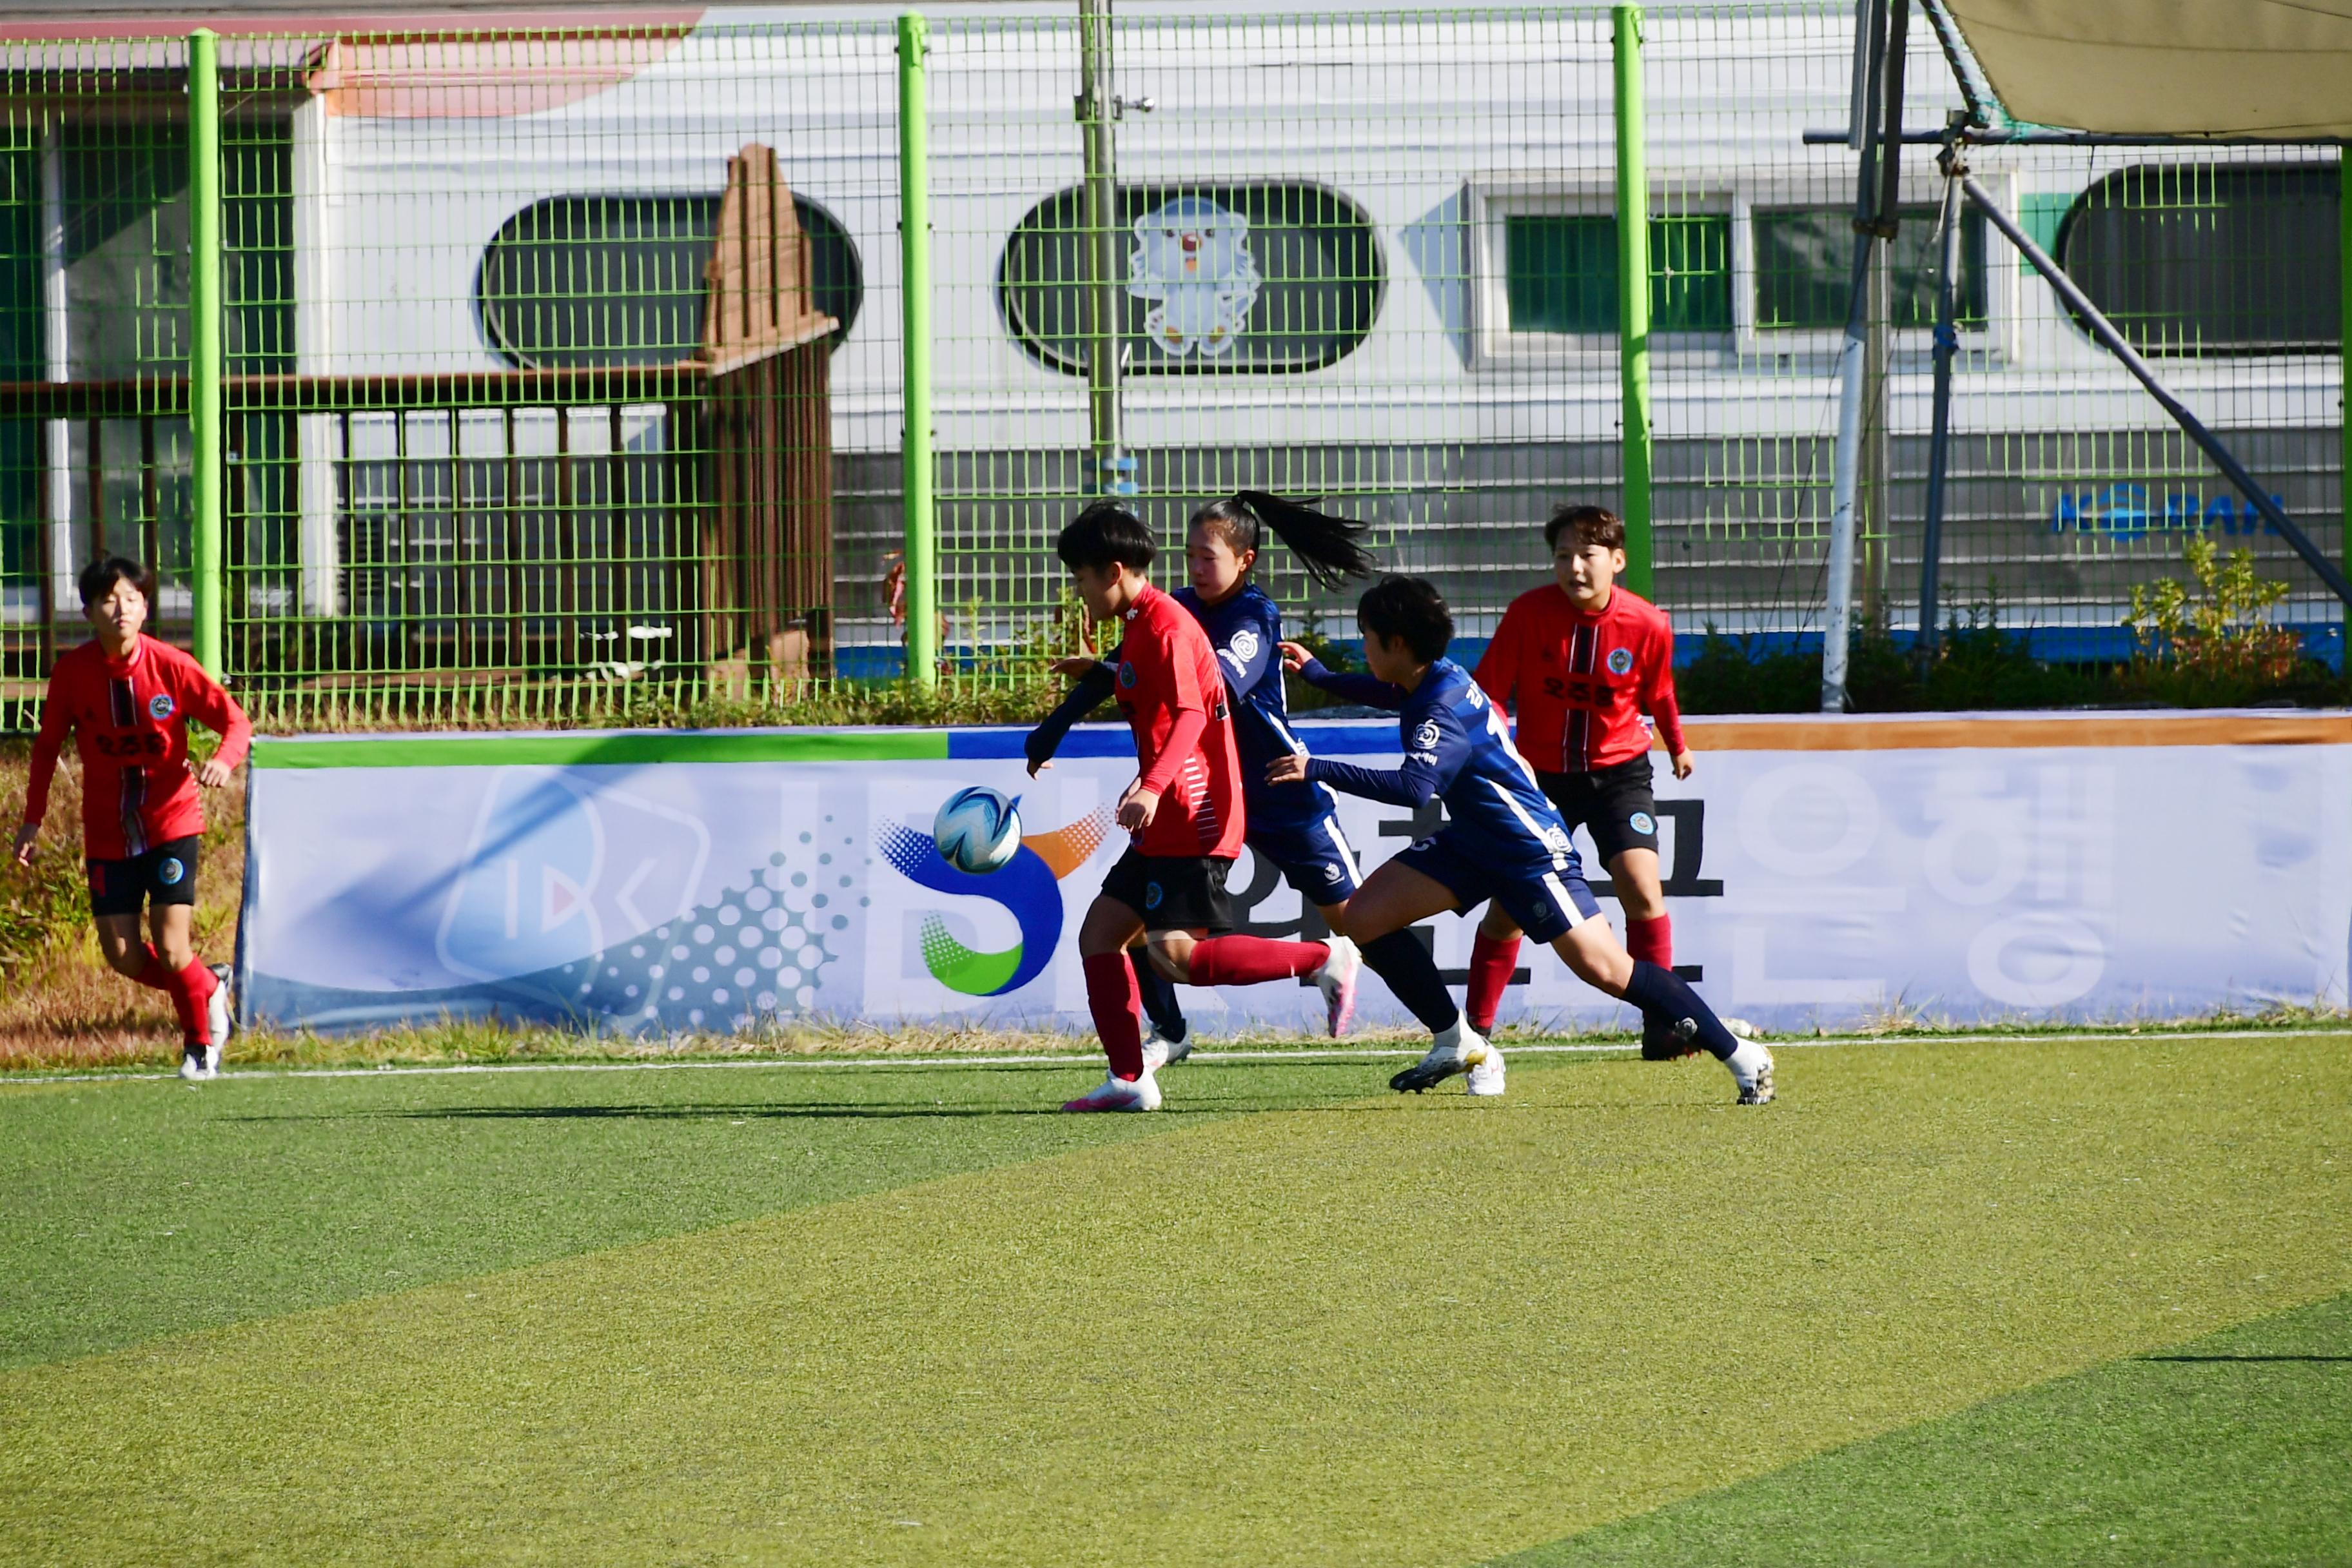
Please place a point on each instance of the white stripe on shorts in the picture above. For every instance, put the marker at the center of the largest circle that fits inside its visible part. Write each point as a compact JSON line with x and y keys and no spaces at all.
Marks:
{"x":1559,"y":896}
{"x":1347,"y":850}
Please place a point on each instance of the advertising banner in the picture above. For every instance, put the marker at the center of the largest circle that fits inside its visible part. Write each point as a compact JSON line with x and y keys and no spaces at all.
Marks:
{"x":667,"y":882}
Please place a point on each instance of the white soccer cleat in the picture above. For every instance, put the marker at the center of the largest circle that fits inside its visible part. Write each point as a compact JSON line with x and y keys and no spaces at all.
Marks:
{"x":1739,"y":1028}
{"x":1116,"y":1093}
{"x":1486,"y":1078}
{"x":1159,"y":1050}
{"x":1457,"y":1050}
{"x":1336,"y":979}
{"x":1751,"y":1069}
{"x":192,"y":1063}
{"x":219,"y":1019}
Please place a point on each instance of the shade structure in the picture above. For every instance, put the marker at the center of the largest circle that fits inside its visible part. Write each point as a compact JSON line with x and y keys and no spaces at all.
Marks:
{"x":2264,"y":68}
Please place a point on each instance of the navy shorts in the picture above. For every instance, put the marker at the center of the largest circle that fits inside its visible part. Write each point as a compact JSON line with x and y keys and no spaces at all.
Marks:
{"x":1313,"y":856}
{"x":1548,"y":898}
{"x":164,"y":875}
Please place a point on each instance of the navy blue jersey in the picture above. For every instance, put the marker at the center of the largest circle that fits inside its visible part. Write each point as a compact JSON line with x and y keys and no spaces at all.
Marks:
{"x":1457,"y":748}
{"x":1245,"y":632}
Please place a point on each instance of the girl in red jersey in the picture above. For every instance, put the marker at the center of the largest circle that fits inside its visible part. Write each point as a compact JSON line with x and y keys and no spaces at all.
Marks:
{"x":128,"y":699}
{"x":1185,"y":813}
{"x":1576,"y":663}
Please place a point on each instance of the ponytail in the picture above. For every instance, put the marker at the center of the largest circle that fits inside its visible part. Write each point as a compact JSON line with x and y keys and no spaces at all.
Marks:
{"x":1326,"y":545}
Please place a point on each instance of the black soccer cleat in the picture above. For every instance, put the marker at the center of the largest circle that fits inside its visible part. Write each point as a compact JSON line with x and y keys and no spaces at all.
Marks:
{"x":1665,"y":1042}
{"x":1445,"y":1059}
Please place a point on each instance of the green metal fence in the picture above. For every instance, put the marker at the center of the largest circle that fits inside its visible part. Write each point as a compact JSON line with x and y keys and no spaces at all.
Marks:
{"x":546,"y":369}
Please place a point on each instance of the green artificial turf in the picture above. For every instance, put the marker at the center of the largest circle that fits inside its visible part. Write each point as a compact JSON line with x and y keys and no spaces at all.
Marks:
{"x":2229,"y":1450}
{"x":1306,"y":1328}
{"x":135,"y":1209}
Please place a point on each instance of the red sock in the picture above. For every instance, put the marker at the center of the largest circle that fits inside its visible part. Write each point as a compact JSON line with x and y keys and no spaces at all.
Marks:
{"x":1492,"y":959}
{"x":155,"y":976}
{"x":192,"y":989}
{"x":1117,"y":1004}
{"x":1249,"y":960}
{"x":1653,"y":941}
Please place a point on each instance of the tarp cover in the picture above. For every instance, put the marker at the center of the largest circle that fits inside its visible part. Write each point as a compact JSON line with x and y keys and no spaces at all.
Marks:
{"x":2185,"y":67}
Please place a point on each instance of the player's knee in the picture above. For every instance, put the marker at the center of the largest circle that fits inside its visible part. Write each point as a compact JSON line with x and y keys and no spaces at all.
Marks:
{"x":1335,"y":916}
{"x":127,"y":962}
{"x":1497,"y":926}
{"x":1171,"y":955}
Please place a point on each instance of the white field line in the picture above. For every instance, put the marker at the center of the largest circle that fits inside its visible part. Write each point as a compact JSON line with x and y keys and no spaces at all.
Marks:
{"x":1072,"y":1058}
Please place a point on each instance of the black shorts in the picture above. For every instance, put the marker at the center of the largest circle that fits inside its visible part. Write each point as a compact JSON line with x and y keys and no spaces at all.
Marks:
{"x":1172,"y":892}
{"x":1614,"y":805}
{"x":164,"y":875}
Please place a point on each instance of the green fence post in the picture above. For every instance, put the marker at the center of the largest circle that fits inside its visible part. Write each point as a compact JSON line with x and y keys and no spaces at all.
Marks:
{"x":205,"y":305}
{"x":915,"y":309}
{"x":2343,"y":365}
{"x":1634,"y":301}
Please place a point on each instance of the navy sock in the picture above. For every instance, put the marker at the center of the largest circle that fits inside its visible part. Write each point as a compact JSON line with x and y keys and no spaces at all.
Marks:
{"x":1401,"y":960}
{"x":1663,"y":994}
{"x":1159,"y":1004}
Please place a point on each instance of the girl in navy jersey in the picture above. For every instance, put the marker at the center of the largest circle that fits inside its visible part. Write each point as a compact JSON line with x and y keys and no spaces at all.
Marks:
{"x":1294,"y":825}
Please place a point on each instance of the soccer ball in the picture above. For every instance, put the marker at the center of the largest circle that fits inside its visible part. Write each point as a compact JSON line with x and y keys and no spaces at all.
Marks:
{"x":979,"y":830}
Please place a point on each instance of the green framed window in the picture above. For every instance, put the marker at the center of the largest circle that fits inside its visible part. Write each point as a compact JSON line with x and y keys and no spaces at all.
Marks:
{"x":582,"y":280}
{"x":1804,"y":267}
{"x":1265,"y":278}
{"x":1560,"y":273}
{"x":2212,"y":258}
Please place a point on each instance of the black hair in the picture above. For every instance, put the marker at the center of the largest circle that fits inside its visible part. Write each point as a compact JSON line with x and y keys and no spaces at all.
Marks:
{"x":98,"y":579}
{"x":1410,"y":610}
{"x":1105,"y":534}
{"x":1325,"y":546}
{"x":1592,"y":524}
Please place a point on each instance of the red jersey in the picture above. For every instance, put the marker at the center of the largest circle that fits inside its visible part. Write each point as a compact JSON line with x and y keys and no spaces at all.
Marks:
{"x":130,"y":722}
{"x":1174,"y":698}
{"x":1579,"y":683}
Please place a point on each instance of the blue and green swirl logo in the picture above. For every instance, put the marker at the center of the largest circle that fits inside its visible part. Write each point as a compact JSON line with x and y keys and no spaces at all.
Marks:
{"x":1027,"y":887}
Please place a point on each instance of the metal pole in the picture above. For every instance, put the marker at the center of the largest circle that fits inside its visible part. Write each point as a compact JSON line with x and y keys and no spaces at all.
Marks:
{"x":915,"y":307}
{"x":204,"y":310}
{"x":1096,"y":110}
{"x":1939,"y":430}
{"x":1837,"y":622}
{"x":1874,"y":510}
{"x":1634,"y":461}
{"x":2114,"y":342}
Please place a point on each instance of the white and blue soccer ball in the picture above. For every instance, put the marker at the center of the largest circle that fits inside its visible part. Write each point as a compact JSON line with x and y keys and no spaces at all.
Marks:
{"x":979,"y":830}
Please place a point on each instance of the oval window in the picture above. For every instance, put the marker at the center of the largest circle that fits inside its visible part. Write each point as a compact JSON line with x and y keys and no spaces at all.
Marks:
{"x":595,"y":280}
{"x":2206,"y":258}
{"x":1251,"y":277}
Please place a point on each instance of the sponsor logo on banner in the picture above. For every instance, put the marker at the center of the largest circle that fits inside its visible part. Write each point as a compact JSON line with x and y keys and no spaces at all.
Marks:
{"x":1026,"y":887}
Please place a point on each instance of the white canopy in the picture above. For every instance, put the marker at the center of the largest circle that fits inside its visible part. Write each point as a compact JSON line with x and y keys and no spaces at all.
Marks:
{"x":2277,"y":68}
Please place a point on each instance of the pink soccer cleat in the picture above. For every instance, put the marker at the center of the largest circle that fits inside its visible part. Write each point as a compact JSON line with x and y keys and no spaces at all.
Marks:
{"x":1337,"y":981}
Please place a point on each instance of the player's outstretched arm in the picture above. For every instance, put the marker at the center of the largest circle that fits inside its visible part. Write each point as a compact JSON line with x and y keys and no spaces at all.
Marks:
{"x":1368,"y":689}
{"x":1094,"y":687}
{"x":209,"y":704}
{"x":47,"y":745}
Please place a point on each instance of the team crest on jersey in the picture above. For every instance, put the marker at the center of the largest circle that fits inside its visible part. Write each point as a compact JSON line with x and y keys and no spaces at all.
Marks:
{"x":1126,"y":673}
{"x":1621,"y":659}
{"x":1425,"y":738}
{"x":170,"y":872}
{"x":1643,"y":822}
{"x":160,"y":705}
{"x":1245,"y":645}
{"x":1151,"y":895}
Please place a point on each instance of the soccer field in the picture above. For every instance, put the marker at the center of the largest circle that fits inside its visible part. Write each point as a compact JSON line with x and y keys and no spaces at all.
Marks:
{"x":1989,"y":1300}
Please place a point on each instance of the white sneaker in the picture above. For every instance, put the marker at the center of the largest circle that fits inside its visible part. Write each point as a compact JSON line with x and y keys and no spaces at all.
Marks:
{"x":1751,"y":1069}
{"x":192,"y":1063}
{"x":1115,"y":1093}
{"x":1457,"y":1050}
{"x":219,"y":1020}
{"x":1159,"y":1050}
{"x":1486,"y":1078}
{"x":1336,"y":979}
